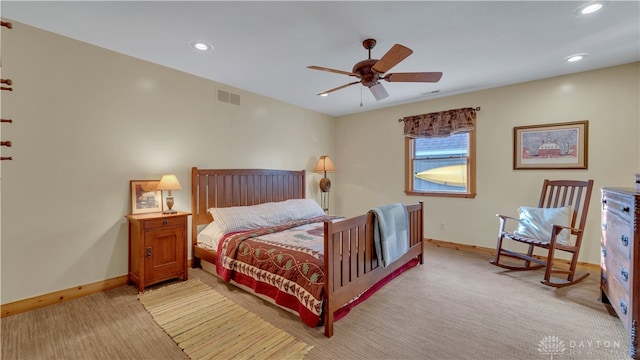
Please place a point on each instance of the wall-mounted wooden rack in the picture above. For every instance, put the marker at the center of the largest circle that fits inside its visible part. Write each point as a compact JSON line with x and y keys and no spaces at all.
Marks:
{"x":7,"y":82}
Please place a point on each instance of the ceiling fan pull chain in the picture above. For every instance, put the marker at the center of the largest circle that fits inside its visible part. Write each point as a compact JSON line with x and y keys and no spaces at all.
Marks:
{"x":361,"y":96}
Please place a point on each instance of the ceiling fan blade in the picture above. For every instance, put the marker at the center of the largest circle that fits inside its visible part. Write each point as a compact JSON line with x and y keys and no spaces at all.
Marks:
{"x":379,"y":92}
{"x":396,"y":54}
{"x":339,"y":87}
{"x":331,"y":70}
{"x":414,"y":77}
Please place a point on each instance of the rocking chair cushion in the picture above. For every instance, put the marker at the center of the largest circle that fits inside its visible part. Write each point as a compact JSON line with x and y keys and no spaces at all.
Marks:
{"x":538,"y":223}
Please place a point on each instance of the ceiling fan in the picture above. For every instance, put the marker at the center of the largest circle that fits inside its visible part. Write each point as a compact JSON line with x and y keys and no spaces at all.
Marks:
{"x":371,"y":71}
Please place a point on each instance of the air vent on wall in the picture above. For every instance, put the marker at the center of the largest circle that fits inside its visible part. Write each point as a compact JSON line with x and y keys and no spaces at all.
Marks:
{"x":228,"y":97}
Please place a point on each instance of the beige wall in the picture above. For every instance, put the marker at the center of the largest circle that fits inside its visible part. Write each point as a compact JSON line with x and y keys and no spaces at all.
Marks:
{"x":86,"y":121}
{"x":370,"y":174}
{"x":89,"y":120}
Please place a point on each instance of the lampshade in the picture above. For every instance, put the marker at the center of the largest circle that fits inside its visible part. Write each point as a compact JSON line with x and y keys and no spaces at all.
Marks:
{"x":324,"y":165}
{"x":169,"y":182}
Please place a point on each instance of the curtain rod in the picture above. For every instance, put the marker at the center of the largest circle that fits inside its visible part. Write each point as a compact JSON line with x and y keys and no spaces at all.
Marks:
{"x":476,"y":109}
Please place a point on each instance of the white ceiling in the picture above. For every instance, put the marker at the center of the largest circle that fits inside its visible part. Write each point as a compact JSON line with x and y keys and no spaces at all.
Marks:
{"x":265,"y":46}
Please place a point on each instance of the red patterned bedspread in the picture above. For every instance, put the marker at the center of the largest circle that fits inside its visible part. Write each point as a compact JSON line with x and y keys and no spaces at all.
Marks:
{"x":285,"y":262}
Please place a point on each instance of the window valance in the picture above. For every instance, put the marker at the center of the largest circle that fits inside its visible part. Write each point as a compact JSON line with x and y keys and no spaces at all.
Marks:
{"x":440,"y":124}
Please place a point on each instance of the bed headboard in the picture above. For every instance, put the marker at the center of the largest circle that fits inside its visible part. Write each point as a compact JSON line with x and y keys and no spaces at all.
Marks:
{"x":240,"y":187}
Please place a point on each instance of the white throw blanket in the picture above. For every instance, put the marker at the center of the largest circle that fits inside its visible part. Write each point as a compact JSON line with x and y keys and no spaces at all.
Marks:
{"x":390,"y":232}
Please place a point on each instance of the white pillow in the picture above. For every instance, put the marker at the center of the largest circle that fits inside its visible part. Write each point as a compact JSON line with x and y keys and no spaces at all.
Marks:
{"x":210,"y":236}
{"x":237,"y":218}
{"x":300,"y":209}
{"x":538,"y":223}
{"x":240,"y":218}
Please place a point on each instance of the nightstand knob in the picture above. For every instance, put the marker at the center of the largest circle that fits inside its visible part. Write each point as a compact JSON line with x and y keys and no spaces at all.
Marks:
{"x":166,"y":222}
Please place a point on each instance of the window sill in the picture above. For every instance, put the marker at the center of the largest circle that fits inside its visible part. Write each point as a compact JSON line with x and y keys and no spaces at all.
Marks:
{"x":442,"y":194}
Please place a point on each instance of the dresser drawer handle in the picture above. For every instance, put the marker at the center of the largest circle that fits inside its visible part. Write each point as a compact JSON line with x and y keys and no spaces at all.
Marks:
{"x":625,"y":209}
{"x":603,"y":277}
{"x":166,"y":222}
{"x":604,"y":201}
{"x":604,"y":226}
{"x":625,"y":240}
{"x":625,"y":275}
{"x":604,"y":251}
{"x":623,"y":307}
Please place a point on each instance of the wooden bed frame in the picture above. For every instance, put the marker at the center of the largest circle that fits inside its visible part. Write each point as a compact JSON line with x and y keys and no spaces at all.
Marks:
{"x":351,"y":266}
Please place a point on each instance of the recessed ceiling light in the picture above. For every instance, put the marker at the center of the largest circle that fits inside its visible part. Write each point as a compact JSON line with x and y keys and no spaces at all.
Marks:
{"x":576,"y":57}
{"x":591,"y":8}
{"x":201,"y":45}
{"x":588,"y":8}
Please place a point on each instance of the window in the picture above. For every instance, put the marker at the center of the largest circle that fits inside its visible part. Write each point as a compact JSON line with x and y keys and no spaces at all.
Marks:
{"x":441,"y":166}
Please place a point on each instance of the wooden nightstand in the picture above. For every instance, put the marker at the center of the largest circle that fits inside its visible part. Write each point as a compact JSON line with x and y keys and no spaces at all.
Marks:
{"x":157,"y":248}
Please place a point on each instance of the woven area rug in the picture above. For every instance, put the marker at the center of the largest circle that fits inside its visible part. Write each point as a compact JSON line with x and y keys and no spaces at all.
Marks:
{"x":207,"y":325}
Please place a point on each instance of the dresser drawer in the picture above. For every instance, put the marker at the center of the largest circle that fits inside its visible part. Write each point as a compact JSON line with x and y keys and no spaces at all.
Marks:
{"x":620,"y":205}
{"x":618,"y":298}
{"x":164,"y":222}
{"x":617,"y":232}
{"x":617,"y":267}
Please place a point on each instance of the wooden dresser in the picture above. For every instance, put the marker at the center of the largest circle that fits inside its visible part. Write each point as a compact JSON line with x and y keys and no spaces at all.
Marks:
{"x":620,"y":258}
{"x":157,"y":248}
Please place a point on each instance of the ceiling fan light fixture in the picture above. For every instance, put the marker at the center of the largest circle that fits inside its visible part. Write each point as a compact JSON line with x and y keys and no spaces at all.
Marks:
{"x":324,"y":94}
{"x":575,"y":57}
{"x":379,"y":92}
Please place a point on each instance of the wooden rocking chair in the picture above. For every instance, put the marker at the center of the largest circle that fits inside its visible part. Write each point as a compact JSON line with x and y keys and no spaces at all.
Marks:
{"x":555,"y":194}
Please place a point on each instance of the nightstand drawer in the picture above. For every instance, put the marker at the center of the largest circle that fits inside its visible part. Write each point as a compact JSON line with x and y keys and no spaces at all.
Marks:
{"x":164,"y":222}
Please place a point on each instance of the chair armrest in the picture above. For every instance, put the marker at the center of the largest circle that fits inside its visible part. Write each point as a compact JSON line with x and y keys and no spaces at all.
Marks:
{"x":503,"y":221}
{"x":558,"y":228}
{"x":505,"y":217}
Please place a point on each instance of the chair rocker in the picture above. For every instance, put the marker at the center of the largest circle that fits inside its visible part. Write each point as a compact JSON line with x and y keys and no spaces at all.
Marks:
{"x":555,"y":194}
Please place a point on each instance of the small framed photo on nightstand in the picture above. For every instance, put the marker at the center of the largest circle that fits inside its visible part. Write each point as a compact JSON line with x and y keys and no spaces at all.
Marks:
{"x":145,"y":198}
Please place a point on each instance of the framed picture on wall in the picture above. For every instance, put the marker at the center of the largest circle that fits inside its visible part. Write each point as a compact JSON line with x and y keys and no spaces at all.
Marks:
{"x":551,"y":146}
{"x":145,"y":198}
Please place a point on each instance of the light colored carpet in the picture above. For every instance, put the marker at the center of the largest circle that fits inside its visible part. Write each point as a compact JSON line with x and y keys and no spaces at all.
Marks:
{"x":456,"y":306}
{"x":207,"y":325}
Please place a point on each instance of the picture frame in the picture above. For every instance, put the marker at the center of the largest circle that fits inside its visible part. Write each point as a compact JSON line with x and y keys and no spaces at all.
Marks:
{"x":145,"y":198}
{"x":551,"y":146}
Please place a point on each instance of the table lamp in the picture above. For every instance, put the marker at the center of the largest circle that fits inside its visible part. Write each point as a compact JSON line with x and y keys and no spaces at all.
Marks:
{"x":169,"y":182}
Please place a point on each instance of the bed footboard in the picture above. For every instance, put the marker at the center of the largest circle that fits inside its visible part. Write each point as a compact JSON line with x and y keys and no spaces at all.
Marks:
{"x":351,"y":263}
